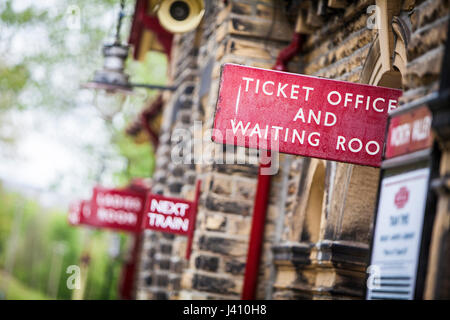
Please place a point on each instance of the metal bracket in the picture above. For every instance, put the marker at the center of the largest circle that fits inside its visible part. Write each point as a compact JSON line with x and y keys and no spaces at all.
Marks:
{"x":441,"y":185}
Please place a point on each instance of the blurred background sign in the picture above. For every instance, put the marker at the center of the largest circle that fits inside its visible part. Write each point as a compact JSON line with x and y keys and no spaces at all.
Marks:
{"x":168,"y":214}
{"x":118,"y":209}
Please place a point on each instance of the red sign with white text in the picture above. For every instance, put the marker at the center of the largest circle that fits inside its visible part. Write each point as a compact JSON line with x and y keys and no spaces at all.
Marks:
{"x":79,"y":212}
{"x":302,"y":115}
{"x":168,"y":214}
{"x":409,"y":132}
{"x":75,"y":213}
{"x":119,"y":209}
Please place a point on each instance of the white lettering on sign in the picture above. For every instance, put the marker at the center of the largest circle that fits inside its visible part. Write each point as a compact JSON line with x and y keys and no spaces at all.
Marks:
{"x":421,"y":129}
{"x":302,"y":115}
{"x":170,"y":215}
{"x":286,"y":134}
{"x":329,"y":118}
{"x":378,"y":104}
{"x":411,"y":132}
{"x":116,"y":216}
{"x":168,"y":222}
{"x":285,"y":90}
{"x":169,"y":207}
{"x":118,"y":201}
{"x":401,"y":135}
{"x":355,"y":145}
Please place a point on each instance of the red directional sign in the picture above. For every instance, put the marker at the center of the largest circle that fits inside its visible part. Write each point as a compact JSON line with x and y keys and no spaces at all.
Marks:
{"x":302,"y":115}
{"x":409,"y":132}
{"x":79,"y":212}
{"x":119,"y":209}
{"x":75,"y":213}
{"x":168,"y":214}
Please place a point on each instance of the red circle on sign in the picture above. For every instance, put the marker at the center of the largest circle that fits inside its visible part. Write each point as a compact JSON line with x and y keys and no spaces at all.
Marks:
{"x":401,"y":197}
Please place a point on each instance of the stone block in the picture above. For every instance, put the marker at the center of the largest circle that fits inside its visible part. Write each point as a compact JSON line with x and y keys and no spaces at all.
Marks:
{"x":162,"y":280}
{"x":215,"y":222}
{"x":216,"y":284}
{"x":237,"y":225}
{"x":227,"y":205}
{"x":247,"y":26}
{"x":234,"y":266}
{"x":246,"y":188}
{"x":428,"y":12}
{"x":245,"y":170}
{"x":207,"y":263}
{"x":428,"y":38}
{"x":424,"y":70}
{"x":220,"y":245}
{"x":221,"y":185}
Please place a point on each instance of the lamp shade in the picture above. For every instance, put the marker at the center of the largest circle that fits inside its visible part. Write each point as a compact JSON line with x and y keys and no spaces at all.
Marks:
{"x":108,"y":102}
{"x":111,"y":82}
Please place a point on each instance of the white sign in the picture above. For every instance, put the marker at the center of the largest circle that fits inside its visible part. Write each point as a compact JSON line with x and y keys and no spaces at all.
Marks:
{"x":397,"y":236}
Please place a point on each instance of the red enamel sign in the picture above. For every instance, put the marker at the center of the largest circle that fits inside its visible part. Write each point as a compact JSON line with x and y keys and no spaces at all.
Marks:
{"x":302,"y":115}
{"x":75,"y":213}
{"x":409,"y":132}
{"x":119,"y":209}
{"x":79,"y":212}
{"x":168,"y":214}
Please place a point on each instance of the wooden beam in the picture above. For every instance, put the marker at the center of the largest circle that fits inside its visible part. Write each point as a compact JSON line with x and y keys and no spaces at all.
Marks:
{"x":386,"y":10}
{"x":301,"y":25}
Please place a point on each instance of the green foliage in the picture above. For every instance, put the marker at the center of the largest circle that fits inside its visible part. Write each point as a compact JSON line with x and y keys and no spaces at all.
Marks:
{"x":17,"y":290}
{"x":140,"y":159}
{"x":13,"y":78}
{"x":152,"y":70}
{"x":9,"y":16}
{"x":41,"y":231}
{"x":52,"y":73}
{"x":63,"y":51}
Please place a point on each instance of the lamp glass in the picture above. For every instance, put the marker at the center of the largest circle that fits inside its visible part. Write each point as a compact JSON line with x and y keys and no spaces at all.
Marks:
{"x":109,"y":102}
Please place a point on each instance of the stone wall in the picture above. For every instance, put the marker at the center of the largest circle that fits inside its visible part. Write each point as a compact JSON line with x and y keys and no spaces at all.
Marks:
{"x":242,"y":32}
{"x":332,"y":262}
{"x":163,"y":255}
